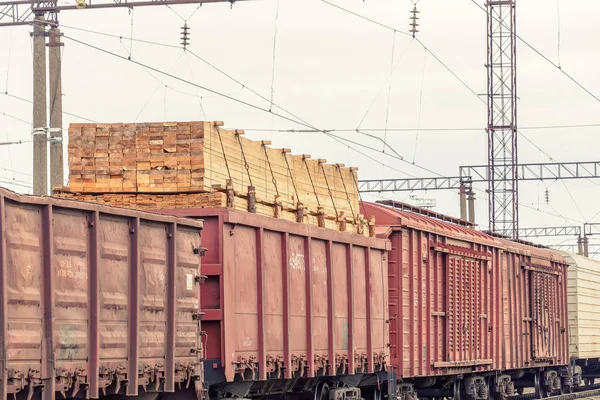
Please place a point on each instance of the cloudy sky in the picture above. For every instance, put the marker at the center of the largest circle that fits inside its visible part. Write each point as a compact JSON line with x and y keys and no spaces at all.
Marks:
{"x":332,"y":70}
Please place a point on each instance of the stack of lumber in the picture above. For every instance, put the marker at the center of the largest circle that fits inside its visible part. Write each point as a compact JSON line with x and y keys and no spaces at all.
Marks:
{"x":191,"y":164}
{"x":132,"y":158}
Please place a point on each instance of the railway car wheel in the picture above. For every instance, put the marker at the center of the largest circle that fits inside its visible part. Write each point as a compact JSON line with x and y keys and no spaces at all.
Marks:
{"x":537,"y":382}
{"x":376,"y":394}
{"x":322,"y":392}
{"x":457,"y":395}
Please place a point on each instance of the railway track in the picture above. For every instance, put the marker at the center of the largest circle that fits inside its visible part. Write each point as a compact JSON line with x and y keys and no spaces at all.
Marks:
{"x":579,"y":393}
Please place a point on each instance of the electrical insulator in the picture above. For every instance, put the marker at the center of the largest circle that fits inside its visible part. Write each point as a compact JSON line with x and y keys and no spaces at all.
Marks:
{"x":547,"y":196}
{"x":185,"y":36}
{"x":413,"y":21}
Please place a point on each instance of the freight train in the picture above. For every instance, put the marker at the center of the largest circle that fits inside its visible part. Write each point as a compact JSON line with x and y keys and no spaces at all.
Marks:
{"x":100,"y":301}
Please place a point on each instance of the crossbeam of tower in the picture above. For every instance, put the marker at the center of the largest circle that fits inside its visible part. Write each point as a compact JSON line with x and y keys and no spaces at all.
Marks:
{"x":480,"y":174}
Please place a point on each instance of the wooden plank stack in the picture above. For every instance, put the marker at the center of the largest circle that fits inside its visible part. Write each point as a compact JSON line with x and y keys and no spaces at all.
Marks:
{"x":192,"y":164}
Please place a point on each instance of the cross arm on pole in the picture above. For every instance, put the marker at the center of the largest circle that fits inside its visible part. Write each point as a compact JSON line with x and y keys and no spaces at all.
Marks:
{"x":411,"y":184}
{"x":479,"y":173}
{"x":591,"y":228}
{"x":22,"y":12}
{"x":550,"y":231}
{"x":540,"y":171}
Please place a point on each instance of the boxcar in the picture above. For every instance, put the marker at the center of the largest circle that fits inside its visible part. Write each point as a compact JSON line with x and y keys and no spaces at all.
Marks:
{"x":471,"y":314}
{"x":443,"y":290}
{"x":96,"y":301}
{"x":584,"y":314}
{"x":290,"y":308}
{"x":535,"y":331}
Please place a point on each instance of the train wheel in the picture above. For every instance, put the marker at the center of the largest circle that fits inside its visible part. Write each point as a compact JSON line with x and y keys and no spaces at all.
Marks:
{"x":377,"y":395}
{"x":322,"y":392}
{"x":457,"y":390}
{"x":537,"y":381}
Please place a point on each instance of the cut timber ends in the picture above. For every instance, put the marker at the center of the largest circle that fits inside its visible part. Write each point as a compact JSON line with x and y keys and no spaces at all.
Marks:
{"x":266,"y":142}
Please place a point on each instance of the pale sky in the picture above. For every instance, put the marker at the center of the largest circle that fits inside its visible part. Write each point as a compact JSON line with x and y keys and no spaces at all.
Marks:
{"x":331,"y":69}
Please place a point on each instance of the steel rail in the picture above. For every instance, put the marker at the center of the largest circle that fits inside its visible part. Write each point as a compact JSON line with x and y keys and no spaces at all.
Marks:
{"x":579,"y":393}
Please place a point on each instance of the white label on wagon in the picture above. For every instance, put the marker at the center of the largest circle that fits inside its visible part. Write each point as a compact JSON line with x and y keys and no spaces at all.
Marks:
{"x":190,"y":282}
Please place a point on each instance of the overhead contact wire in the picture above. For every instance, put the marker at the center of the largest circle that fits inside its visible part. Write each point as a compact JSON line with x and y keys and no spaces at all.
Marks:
{"x":387,"y":109}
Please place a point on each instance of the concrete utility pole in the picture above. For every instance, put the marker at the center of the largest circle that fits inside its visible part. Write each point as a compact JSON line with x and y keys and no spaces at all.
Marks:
{"x":467,"y":203}
{"x":40,"y":144}
{"x":56,"y":136}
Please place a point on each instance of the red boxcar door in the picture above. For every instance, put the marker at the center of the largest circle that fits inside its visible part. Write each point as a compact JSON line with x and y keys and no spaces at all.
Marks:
{"x":464,"y":311}
{"x":544,"y":309}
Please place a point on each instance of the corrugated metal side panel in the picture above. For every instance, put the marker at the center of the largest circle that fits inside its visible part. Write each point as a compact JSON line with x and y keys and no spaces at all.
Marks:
{"x":290,"y":297}
{"x":394,"y":296}
{"x":517,"y":306}
{"x":535,"y":331}
{"x":584,"y":313}
{"x":573,"y":310}
{"x":23,"y":317}
{"x":90,"y":292}
{"x":470,"y":313}
{"x":187,"y":300}
{"x":564,"y":312}
{"x":378,"y":340}
{"x":441,"y":307}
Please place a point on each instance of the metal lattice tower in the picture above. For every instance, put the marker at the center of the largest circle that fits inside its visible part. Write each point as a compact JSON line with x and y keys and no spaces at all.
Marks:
{"x":502,"y":118}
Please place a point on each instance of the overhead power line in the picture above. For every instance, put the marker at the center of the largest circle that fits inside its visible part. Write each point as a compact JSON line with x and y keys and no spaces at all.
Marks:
{"x":565,"y":73}
{"x":16,"y":172}
{"x":15,"y":118}
{"x":450,"y":129}
{"x":293,"y":119}
{"x":221,"y":71}
{"x":448,"y":68}
{"x":205,"y":61}
{"x":16,"y":183}
{"x":367,"y":19}
{"x":417,"y":39}
{"x":138,"y":63}
{"x":451,"y":71}
{"x":463,"y":82}
{"x":31,"y":102}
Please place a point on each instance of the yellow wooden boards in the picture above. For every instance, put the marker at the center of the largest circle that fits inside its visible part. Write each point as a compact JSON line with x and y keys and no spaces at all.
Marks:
{"x":141,"y":165}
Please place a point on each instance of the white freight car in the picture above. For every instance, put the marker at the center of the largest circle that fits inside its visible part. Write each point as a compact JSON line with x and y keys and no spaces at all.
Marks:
{"x":584,"y":313}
